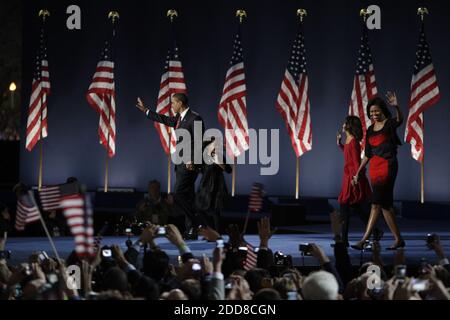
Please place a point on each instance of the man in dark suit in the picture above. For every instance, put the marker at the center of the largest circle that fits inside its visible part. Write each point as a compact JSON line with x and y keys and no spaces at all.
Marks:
{"x":186,"y":172}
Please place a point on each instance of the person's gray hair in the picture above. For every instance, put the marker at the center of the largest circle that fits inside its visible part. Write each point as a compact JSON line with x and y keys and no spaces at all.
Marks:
{"x":320,"y":285}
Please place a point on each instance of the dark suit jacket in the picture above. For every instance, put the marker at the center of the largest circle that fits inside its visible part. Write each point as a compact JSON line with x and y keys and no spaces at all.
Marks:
{"x":187,"y":123}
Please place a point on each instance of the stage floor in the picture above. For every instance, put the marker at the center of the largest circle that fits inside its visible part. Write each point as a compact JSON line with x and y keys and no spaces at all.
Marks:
{"x":287,"y":241}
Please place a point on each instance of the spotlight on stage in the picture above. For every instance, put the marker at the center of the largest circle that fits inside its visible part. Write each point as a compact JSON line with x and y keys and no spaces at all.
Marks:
{"x":12,"y":87}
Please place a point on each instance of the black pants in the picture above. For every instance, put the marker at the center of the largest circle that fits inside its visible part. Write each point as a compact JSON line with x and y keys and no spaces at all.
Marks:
{"x":346,"y":211}
{"x":184,"y":196}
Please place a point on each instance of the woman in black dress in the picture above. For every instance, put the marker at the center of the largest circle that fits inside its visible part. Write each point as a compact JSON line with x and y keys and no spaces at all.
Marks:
{"x":381,"y":152}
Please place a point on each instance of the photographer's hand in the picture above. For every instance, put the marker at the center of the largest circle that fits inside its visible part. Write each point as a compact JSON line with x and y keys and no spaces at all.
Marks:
{"x":207,"y":265}
{"x":437,"y":247}
{"x":174,"y":235}
{"x":319,"y":254}
{"x":218,"y":257}
{"x":148,"y":234}
{"x":86,"y":271}
{"x":119,"y":256}
{"x":208,"y":233}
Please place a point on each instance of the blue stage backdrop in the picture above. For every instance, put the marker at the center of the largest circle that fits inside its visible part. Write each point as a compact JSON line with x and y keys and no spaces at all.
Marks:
{"x":205,"y":33}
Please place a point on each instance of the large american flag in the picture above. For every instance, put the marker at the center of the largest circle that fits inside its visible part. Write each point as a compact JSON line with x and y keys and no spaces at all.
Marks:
{"x":232,"y":111}
{"x":293,"y":101}
{"x":424,"y":94}
{"x":78,"y":212}
{"x":364,"y":84}
{"x":101,"y":97}
{"x":26,"y":212}
{"x":40,"y":89}
{"x":172,"y":81}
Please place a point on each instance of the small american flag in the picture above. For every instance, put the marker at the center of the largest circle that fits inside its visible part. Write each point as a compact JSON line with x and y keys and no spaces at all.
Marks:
{"x":40,"y":89}
{"x":26,"y":212}
{"x":232,"y":110}
{"x":255,"y":202}
{"x":424,"y":94}
{"x":364,"y":84}
{"x":251,"y":258}
{"x":172,"y":81}
{"x":293,"y":101}
{"x":51,"y":195}
{"x":101,"y":97}
{"x":78,"y":212}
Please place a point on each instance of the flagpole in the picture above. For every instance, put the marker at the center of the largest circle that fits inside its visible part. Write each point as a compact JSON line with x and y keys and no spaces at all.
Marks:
{"x":233,"y":178}
{"x":422,"y":184}
{"x":113,"y":15}
{"x":171,"y":14}
{"x":297,"y":177}
{"x":240,"y":14}
{"x":246,"y":222}
{"x":302,"y":14}
{"x":52,"y":244}
{"x":44,"y":14}
{"x":168,"y":168}
{"x":422,"y":11}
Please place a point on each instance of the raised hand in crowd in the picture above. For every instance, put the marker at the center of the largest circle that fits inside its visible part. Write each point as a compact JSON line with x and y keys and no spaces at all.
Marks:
{"x":148,"y":235}
{"x":86,"y":275}
{"x":119,"y":256}
{"x":207,"y":265}
{"x":208,"y":233}
{"x":437,"y":289}
{"x":174,"y":235}
{"x":218,"y":257}
{"x":264,"y":232}
{"x":405,"y":290}
{"x":240,"y":289}
{"x":436,"y":245}
{"x":318,"y":253}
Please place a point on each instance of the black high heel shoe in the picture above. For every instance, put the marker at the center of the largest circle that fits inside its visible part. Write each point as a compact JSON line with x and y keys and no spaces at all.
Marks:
{"x":360,"y":246}
{"x":401,"y":244}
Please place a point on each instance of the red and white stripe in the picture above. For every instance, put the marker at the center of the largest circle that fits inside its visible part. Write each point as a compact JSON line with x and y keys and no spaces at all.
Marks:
{"x":172,"y":81}
{"x":26,"y":212}
{"x":255,"y":203}
{"x":80,"y":222}
{"x":50,"y":197}
{"x":364,"y":89}
{"x":424,"y":94}
{"x":101,"y":97}
{"x":293,"y":105}
{"x":251,"y":258}
{"x":232,"y":111}
{"x":37,"y":109}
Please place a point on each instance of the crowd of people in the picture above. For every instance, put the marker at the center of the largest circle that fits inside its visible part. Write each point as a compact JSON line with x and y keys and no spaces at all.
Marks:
{"x":144,"y":271}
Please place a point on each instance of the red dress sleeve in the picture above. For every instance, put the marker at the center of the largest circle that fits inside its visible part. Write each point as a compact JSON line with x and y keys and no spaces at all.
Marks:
{"x":355,"y":156}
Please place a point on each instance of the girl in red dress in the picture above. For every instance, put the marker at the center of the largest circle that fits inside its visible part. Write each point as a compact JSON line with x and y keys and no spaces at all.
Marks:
{"x":381,"y":152}
{"x":352,"y":196}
